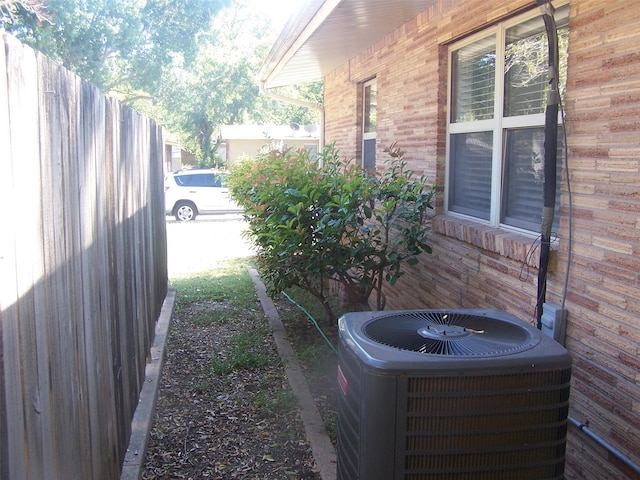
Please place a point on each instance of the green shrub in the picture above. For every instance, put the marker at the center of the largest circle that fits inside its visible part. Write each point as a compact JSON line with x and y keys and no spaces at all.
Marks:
{"x":330,"y":221}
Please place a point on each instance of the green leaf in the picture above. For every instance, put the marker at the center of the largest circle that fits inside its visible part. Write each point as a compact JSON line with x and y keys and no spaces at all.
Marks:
{"x":334,"y":222}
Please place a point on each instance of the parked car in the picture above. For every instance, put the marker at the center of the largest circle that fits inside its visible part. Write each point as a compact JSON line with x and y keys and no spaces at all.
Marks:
{"x":189,"y":193}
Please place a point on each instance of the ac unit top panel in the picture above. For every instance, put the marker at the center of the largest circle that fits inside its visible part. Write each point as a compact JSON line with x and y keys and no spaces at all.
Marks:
{"x":472,"y":340}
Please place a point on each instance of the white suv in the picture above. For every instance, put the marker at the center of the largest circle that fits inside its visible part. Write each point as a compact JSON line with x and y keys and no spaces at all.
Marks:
{"x":189,"y":193}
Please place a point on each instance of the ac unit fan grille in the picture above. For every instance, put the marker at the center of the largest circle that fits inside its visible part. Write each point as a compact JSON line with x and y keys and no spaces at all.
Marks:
{"x":448,"y":333}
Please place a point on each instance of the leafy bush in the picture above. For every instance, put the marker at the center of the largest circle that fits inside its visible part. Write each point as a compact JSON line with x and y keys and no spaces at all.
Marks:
{"x":316,"y":222}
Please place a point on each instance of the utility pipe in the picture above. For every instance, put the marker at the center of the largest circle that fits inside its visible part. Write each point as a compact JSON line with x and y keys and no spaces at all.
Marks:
{"x":302,"y":103}
{"x":584,"y":427}
{"x":550,"y":155}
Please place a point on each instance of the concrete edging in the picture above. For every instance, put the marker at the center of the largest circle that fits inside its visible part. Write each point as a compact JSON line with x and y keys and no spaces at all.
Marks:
{"x":321,"y":447}
{"x":145,"y":411}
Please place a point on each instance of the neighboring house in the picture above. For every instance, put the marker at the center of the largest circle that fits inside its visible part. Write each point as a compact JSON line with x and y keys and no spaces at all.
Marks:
{"x":175,"y":157}
{"x":238,"y":141}
{"x":415,"y":72}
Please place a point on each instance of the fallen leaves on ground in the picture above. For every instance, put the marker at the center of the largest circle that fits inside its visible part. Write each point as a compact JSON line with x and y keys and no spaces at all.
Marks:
{"x":221,"y":414}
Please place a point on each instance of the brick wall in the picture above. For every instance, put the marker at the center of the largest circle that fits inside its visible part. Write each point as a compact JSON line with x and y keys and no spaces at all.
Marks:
{"x":476,"y":266}
{"x":603,"y":127}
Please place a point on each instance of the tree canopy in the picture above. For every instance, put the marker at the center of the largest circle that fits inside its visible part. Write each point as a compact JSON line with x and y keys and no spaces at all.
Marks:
{"x":189,"y":64}
{"x":113,"y":43}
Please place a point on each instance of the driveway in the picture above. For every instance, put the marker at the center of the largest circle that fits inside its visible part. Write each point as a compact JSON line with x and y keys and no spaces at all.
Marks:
{"x":198,"y":245}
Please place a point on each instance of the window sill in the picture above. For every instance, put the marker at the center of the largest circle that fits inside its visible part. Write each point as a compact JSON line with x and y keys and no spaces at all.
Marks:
{"x":518,"y":247}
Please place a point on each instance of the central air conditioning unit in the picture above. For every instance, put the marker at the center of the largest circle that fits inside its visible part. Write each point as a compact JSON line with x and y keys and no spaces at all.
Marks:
{"x":450,"y":394}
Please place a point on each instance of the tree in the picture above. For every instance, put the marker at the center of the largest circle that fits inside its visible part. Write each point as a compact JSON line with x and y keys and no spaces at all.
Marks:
{"x":198,"y":101}
{"x":10,"y":9}
{"x":119,"y":45}
{"x":189,"y":64}
{"x":218,"y":87}
{"x":215,"y":88}
{"x":268,"y":110}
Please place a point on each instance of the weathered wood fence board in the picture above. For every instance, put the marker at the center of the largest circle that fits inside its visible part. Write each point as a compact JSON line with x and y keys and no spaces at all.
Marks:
{"x":83,"y":270}
{"x":6,"y":244}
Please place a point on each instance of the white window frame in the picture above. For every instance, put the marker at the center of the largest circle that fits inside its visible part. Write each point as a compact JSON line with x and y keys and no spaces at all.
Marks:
{"x":367,"y":135}
{"x":498,"y":125}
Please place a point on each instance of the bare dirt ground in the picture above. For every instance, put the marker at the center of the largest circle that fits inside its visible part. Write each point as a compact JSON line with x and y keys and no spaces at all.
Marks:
{"x":227,"y":421}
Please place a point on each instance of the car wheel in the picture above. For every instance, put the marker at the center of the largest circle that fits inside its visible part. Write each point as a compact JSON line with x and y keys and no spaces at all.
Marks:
{"x":185,"y":211}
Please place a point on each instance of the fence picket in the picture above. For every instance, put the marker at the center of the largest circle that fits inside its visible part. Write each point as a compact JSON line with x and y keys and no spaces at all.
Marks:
{"x":8,"y":294}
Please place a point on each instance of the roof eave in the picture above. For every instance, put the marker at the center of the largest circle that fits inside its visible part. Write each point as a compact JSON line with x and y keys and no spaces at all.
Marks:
{"x":298,"y":29}
{"x":323,"y":34}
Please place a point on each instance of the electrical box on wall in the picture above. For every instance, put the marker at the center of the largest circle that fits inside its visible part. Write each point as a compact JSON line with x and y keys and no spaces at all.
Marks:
{"x":554,"y":322}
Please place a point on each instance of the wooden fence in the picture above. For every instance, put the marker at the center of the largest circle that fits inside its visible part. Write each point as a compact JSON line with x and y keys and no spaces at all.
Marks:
{"x":83,"y":269}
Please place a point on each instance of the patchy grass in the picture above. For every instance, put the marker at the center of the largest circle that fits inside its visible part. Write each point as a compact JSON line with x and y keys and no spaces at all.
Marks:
{"x":225,"y":409}
{"x":247,"y":350}
{"x":228,"y":283}
{"x":273,"y":400}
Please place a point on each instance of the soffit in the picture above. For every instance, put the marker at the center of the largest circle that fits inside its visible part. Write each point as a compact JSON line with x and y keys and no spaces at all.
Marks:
{"x":324,"y":34}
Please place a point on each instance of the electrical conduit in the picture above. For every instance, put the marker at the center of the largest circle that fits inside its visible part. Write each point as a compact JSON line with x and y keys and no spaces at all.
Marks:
{"x":550,"y":160}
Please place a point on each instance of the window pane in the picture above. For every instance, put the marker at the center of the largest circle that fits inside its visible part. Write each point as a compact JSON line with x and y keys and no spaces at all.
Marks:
{"x":369,"y":122}
{"x":189,"y":180}
{"x":470,"y":174}
{"x":523,"y":192}
{"x":204,"y":180}
{"x":526,"y":65}
{"x":369,"y":155}
{"x":473,"y":77}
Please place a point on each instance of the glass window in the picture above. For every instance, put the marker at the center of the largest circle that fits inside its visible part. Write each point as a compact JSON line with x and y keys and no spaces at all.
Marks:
{"x":370,"y":106}
{"x":497,"y":97}
{"x":473,"y":87}
{"x":524,"y":178}
{"x":199,"y":180}
{"x":470,"y":191}
{"x":369,"y":123}
{"x":525,"y":69}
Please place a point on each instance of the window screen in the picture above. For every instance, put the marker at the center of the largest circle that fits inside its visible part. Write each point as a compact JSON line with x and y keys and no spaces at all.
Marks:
{"x":525,"y":69}
{"x":471,"y":174}
{"x":522,"y":200}
{"x":473,"y":69}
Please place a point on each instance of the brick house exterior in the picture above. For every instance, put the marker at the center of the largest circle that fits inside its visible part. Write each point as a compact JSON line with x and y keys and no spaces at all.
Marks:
{"x":474,"y":265}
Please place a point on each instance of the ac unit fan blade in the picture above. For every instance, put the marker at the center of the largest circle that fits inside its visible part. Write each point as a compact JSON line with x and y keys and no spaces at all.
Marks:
{"x":443,"y":333}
